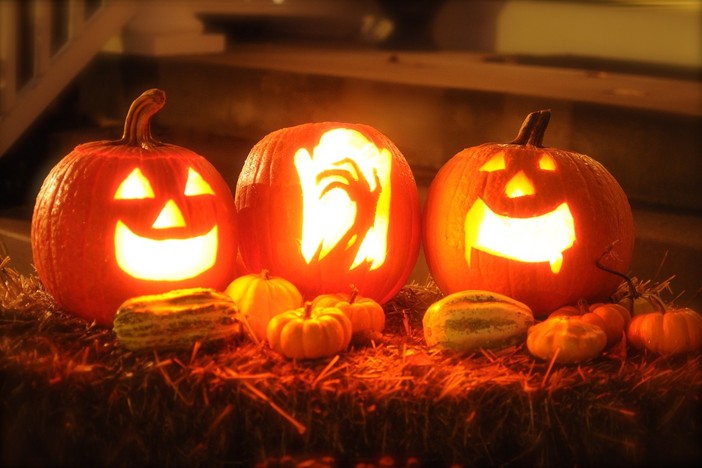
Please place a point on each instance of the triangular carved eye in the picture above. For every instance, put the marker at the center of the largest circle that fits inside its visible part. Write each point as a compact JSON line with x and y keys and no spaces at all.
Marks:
{"x":547,"y":163}
{"x":496,"y":163}
{"x":196,"y":185}
{"x":134,"y":187}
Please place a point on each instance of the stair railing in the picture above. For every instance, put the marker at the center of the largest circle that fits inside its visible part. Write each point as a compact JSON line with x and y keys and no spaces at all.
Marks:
{"x":44,"y":44}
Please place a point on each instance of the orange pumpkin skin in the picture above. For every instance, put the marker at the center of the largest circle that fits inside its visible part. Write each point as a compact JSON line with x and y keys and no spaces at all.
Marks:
{"x":566,"y":339}
{"x":670,"y":332}
{"x":613,"y":319}
{"x":76,"y":215}
{"x":484,"y":178}
{"x":309,"y":332}
{"x":365,"y":314}
{"x":271,"y":209}
{"x":260,"y":297}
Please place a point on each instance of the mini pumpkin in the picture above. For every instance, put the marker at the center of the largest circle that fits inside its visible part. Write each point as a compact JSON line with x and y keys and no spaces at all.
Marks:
{"x":132,"y":217}
{"x":366,"y":315}
{"x":260,"y":297}
{"x":309,"y":332}
{"x":644,"y":304}
{"x":527,"y":221}
{"x":613,"y":319}
{"x":566,"y":339}
{"x":327,"y":205}
{"x":671,"y":332}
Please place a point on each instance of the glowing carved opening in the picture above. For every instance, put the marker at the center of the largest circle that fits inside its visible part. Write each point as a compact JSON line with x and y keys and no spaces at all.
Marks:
{"x":164,"y":260}
{"x":196,"y":185}
{"x":169,"y":217}
{"x":539,"y":239}
{"x":496,"y":163}
{"x":134,"y":187}
{"x":519,"y":186}
{"x":346,"y":198}
{"x":546,"y":163}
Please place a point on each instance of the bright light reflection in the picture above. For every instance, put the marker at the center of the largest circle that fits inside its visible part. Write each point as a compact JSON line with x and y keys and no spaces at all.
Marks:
{"x":164,"y":260}
{"x":346,"y":197}
{"x":538,"y":239}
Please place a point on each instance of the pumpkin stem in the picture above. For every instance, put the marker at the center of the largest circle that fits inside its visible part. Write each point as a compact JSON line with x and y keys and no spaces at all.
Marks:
{"x":137,"y":124}
{"x":354,"y":294}
{"x":632,"y":289}
{"x":533,"y":128}
{"x":265,"y":274}
{"x":308,"y":311}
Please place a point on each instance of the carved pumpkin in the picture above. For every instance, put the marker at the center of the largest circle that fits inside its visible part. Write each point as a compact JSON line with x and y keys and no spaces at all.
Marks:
{"x":260,"y":297}
{"x":326,"y":205}
{"x":309,"y":332}
{"x":127,"y":218}
{"x":526,"y":221}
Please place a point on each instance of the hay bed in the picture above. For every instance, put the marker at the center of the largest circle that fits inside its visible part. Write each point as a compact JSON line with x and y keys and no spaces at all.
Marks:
{"x":70,"y":394}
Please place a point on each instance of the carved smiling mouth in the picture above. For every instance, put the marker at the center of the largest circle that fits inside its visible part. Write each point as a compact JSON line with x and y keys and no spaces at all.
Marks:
{"x":541,"y":238}
{"x":164,"y":260}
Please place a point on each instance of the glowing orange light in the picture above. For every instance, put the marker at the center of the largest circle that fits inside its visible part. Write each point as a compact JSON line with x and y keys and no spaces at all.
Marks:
{"x":546,"y":163}
{"x":134,"y":187}
{"x":346,"y":197}
{"x":519,"y":186}
{"x":173,"y":259}
{"x":196,"y":185}
{"x":538,"y":239}
{"x":170,"y":216}
{"x":496,"y":163}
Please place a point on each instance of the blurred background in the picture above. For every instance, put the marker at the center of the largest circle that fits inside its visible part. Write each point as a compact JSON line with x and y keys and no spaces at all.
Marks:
{"x":623,"y":79}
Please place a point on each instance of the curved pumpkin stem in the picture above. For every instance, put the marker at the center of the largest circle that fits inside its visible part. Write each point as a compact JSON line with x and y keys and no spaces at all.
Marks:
{"x":632,"y":289}
{"x":137,"y":124}
{"x":307,"y":311}
{"x":533,"y":129}
{"x":354,"y":294}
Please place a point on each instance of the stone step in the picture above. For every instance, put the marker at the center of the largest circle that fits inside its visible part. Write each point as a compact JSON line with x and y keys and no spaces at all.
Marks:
{"x":644,"y":129}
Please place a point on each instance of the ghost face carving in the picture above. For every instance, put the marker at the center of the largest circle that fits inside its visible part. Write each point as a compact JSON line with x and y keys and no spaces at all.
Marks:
{"x":328,"y":205}
{"x":346,"y":194}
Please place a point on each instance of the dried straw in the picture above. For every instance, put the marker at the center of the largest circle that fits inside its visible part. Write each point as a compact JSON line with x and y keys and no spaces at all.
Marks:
{"x":72,"y":395}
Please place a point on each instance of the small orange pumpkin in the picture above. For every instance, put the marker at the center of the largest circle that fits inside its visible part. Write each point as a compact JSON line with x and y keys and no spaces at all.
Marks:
{"x":566,"y":339}
{"x":365,"y":314}
{"x":670,"y":332}
{"x":260,"y":297}
{"x":644,"y":304}
{"x":613,"y":319}
{"x":309,"y":333}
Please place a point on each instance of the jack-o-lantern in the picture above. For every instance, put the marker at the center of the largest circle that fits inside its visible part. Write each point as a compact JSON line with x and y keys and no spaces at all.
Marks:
{"x":118,"y":219}
{"x":528,"y":222}
{"x":327,"y":205}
